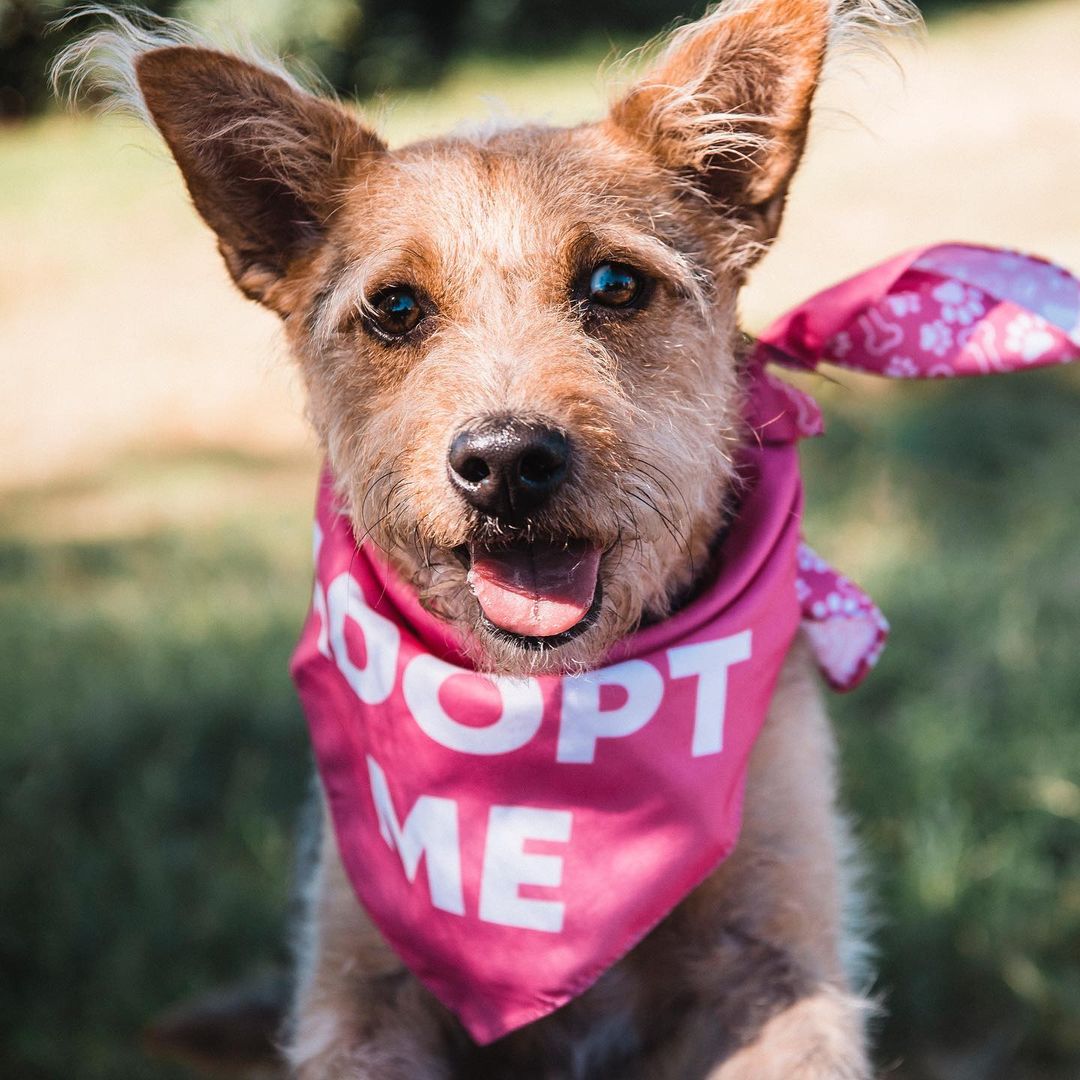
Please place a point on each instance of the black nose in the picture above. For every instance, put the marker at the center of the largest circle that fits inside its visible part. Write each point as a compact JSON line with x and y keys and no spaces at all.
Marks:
{"x":507,"y":468}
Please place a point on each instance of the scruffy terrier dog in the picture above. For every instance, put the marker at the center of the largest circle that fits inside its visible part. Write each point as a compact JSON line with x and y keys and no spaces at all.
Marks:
{"x":522,"y":356}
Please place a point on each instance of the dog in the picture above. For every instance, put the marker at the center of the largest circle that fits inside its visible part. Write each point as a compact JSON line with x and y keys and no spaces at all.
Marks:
{"x":522,"y":358}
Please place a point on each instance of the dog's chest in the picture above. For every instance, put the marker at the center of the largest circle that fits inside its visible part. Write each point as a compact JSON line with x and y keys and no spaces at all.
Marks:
{"x":596,"y":1037}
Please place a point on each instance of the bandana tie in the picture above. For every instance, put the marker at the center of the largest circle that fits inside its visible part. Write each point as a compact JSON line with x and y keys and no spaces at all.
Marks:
{"x":512,"y":838}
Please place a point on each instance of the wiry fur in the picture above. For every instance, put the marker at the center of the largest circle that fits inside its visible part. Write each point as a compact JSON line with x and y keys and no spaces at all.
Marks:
{"x":685,"y":179}
{"x":100,"y":65}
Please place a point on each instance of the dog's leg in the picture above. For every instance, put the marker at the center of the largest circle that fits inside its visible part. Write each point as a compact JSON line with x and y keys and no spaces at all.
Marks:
{"x":360,"y":1014}
{"x":770,"y":997}
{"x":819,"y":1037}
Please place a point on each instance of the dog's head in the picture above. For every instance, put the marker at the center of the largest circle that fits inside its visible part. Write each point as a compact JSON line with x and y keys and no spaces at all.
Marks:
{"x":521,"y":347}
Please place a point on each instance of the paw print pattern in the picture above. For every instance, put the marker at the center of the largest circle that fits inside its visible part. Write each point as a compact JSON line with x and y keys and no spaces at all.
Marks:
{"x":1029,"y":337}
{"x":959,"y":304}
{"x":938,"y":313}
{"x":1026,"y":282}
{"x":841,"y":345}
{"x":944,"y":311}
{"x":902,"y":367}
{"x":936,"y":337}
{"x":903,"y":304}
{"x":846,"y":629}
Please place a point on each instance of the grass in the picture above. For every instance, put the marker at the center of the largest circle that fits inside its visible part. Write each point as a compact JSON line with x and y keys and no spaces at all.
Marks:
{"x":960,"y":752}
{"x":155,"y":489}
{"x":152,"y":760}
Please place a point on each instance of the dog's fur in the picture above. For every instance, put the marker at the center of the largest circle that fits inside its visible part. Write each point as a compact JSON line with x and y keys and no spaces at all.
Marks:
{"x":684,"y":179}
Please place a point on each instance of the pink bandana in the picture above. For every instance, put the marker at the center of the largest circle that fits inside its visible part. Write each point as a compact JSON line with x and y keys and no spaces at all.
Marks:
{"x":513,"y":838}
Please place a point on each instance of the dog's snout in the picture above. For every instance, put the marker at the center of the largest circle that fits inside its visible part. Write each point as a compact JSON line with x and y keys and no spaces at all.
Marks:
{"x":507,"y":467}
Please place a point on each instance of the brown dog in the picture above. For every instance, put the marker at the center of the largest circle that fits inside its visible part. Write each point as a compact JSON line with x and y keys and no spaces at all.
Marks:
{"x":569,"y":295}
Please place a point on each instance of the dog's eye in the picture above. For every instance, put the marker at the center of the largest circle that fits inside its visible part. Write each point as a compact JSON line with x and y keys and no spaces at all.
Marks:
{"x":396,"y":311}
{"x":614,"y":285}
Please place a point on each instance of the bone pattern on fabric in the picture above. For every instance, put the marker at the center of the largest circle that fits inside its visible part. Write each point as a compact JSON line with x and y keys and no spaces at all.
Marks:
{"x":482,"y":820}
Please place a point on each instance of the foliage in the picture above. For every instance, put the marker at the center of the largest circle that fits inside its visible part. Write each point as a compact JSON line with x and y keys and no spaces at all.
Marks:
{"x":358,"y":46}
{"x":27,"y":45}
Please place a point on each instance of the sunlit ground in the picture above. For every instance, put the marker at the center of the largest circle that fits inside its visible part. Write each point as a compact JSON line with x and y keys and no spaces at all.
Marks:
{"x":155,"y":485}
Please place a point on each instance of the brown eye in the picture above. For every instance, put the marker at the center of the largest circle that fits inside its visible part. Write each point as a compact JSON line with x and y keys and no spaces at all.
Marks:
{"x":396,"y":311}
{"x":614,"y":285}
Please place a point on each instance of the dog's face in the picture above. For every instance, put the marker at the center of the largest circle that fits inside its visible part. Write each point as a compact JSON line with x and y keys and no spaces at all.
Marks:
{"x":520,"y":353}
{"x":521,"y":348}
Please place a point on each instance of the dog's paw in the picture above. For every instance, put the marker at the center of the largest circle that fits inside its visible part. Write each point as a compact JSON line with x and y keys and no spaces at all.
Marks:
{"x":368,"y":1063}
{"x":325,"y":1047}
{"x":820,"y":1037}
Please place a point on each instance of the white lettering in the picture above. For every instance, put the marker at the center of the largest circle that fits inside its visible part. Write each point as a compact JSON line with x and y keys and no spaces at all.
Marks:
{"x":430,"y":831}
{"x":583,"y":721}
{"x":374,"y":682}
{"x":508,"y":866}
{"x":522,"y":708}
{"x":318,"y":601}
{"x":319,"y":598}
{"x":709,"y":661}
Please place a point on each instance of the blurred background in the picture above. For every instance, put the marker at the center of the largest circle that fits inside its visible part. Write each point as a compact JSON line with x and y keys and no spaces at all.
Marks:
{"x":156,"y":482}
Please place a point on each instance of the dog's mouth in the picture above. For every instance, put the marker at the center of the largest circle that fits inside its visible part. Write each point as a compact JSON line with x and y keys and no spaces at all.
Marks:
{"x":539,"y":593}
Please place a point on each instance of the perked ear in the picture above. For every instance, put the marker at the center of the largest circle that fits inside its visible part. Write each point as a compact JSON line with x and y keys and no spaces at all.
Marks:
{"x":728,"y":103}
{"x":265,"y":162}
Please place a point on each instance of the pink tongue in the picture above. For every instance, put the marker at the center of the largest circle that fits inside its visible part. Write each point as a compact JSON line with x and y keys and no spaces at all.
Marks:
{"x":536,"y":590}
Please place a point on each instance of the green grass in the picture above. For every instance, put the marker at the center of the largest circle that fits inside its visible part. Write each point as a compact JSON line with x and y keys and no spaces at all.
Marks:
{"x":962,"y":752}
{"x":152,"y":760}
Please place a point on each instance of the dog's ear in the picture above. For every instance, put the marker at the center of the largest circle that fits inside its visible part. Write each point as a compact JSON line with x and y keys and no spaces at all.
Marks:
{"x":727,"y":105}
{"x":265,"y":162}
